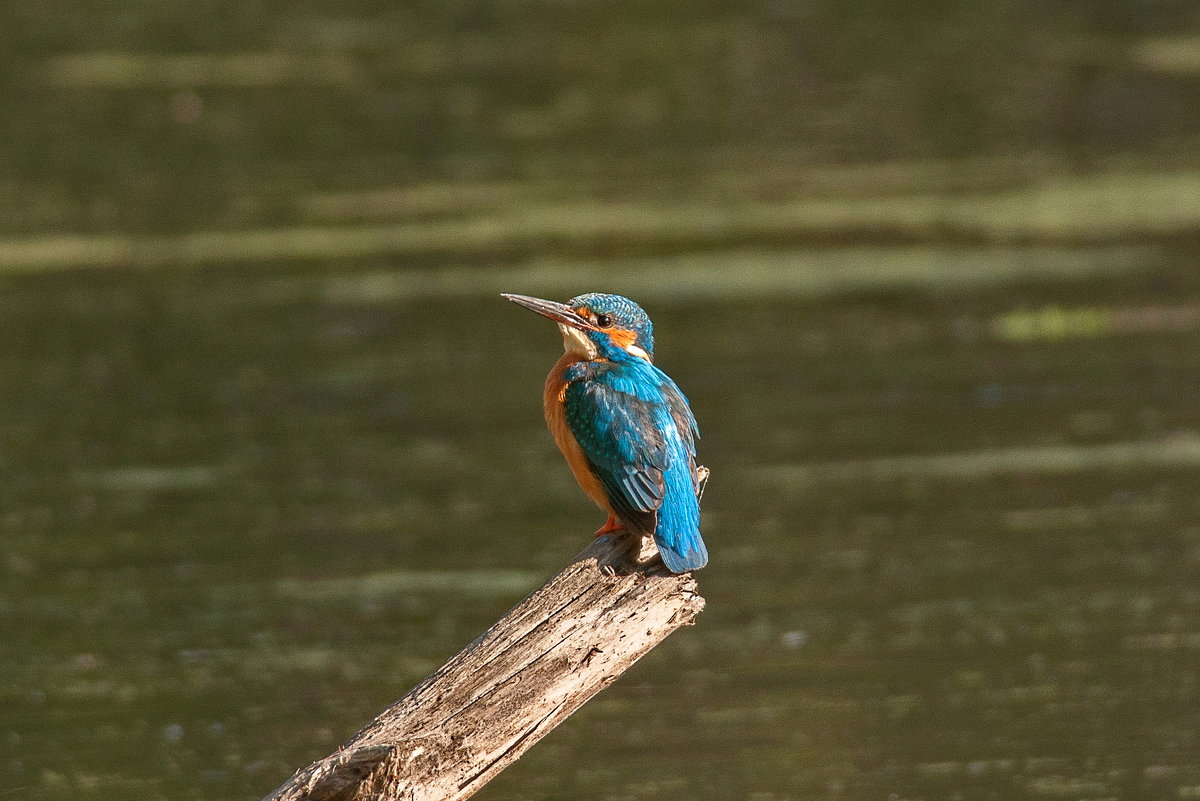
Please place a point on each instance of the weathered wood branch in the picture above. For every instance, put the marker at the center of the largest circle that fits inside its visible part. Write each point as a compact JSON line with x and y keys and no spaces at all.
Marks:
{"x":480,"y":711}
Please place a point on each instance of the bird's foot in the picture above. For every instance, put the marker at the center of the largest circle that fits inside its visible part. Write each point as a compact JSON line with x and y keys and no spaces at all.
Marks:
{"x":609,"y":527}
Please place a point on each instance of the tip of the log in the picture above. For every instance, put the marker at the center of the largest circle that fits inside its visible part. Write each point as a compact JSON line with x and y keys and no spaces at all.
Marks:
{"x":625,"y":554}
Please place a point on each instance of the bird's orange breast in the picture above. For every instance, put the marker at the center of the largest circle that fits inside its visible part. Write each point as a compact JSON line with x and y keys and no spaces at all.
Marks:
{"x":554,"y":405}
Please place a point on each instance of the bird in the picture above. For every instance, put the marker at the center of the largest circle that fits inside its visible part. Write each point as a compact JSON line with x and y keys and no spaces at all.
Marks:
{"x":623,"y":425}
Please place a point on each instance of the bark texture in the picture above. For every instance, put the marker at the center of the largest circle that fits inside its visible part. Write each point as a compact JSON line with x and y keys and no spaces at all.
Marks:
{"x":480,"y":711}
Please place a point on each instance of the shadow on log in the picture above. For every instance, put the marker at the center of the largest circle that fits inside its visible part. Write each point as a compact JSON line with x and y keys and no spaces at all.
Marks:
{"x":480,"y":711}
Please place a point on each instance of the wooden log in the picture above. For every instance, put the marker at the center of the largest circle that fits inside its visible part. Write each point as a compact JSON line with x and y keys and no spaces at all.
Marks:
{"x":480,"y":711}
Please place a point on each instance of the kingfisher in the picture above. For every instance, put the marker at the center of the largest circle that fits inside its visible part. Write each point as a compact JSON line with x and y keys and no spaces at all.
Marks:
{"x":623,"y":425}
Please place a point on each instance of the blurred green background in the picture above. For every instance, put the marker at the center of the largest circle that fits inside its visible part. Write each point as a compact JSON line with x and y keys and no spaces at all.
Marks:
{"x":273,"y":449}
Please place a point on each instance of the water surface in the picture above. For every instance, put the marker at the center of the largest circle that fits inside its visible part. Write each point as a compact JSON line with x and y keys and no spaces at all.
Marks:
{"x":954,"y":534}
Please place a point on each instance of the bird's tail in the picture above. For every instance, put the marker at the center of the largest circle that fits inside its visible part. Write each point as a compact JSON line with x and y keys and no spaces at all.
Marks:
{"x":682,"y":555}
{"x":677,"y":534}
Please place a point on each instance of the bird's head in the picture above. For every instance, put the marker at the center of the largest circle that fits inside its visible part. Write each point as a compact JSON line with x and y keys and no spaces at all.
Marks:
{"x":597,"y":325}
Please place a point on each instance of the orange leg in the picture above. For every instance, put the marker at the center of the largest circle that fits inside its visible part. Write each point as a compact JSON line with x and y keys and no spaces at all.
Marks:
{"x":609,"y":526}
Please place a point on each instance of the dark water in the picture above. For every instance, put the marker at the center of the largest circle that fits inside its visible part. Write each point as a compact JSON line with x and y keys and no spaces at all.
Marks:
{"x":955,"y":537}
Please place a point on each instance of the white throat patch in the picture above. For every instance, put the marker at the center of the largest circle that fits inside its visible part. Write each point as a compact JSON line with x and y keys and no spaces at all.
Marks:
{"x":576,"y":342}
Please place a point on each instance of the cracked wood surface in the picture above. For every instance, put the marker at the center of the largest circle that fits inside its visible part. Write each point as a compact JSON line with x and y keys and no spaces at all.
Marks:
{"x":480,"y":711}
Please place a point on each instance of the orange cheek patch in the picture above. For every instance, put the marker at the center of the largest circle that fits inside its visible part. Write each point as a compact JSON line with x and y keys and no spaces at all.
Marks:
{"x":627,"y":341}
{"x":622,"y":337}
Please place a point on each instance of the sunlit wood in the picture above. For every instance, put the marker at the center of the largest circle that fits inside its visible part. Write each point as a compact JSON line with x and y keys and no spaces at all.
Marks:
{"x":480,"y":711}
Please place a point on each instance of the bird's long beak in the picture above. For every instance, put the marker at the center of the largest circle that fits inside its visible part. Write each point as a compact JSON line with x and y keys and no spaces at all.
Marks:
{"x":558,"y":312}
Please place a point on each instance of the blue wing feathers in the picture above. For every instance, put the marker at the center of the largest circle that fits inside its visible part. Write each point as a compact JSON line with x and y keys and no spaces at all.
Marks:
{"x":638,"y":433}
{"x":678,"y":532}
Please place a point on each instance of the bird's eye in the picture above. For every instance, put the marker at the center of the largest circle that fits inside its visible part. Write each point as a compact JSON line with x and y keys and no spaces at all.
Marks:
{"x":603,"y":320}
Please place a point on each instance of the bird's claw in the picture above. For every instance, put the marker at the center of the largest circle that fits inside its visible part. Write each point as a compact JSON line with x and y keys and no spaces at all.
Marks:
{"x":609,"y":527}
